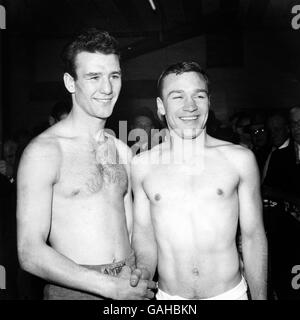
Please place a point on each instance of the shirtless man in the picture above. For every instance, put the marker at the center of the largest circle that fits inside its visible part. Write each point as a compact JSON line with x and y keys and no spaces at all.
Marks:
{"x":74,"y":202}
{"x":190,"y":193}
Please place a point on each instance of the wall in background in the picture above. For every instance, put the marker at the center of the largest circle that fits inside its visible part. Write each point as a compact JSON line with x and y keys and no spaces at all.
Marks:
{"x":263,"y":75}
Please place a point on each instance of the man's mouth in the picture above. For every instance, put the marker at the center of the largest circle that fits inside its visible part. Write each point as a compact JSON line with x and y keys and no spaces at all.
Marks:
{"x":190,"y":118}
{"x":103,"y":99}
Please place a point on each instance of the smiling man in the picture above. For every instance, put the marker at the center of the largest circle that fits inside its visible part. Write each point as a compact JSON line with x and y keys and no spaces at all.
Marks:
{"x":190,"y":194}
{"x":74,"y":208}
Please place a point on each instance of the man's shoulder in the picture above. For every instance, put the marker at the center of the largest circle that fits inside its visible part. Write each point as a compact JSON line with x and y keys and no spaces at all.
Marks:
{"x":151,"y":156}
{"x":238,"y":156}
{"x":123,"y":150}
{"x":40,"y":160}
{"x":141,"y":158}
{"x":230,"y":148}
{"x":45,"y":146}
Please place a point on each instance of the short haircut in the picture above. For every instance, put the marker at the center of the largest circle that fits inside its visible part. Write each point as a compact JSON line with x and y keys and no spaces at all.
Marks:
{"x":90,"y":40}
{"x":179,"y":68}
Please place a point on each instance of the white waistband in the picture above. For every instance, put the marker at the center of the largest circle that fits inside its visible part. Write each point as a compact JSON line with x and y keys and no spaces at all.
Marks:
{"x":239,"y":292}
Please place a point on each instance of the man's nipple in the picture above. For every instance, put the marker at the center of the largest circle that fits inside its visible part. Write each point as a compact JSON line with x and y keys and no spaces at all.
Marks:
{"x":157,"y":197}
{"x":220,"y":192}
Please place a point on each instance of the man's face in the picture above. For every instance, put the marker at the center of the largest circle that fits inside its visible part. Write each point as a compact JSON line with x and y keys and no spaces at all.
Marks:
{"x":258,"y":135}
{"x":278,"y":130}
{"x":295,"y":124}
{"x":185,"y":103}
{"x":98,"y":83}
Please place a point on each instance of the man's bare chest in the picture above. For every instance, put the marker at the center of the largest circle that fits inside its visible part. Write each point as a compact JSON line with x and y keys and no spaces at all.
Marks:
{"x":169,"y":184}
{"x":84,"y":172}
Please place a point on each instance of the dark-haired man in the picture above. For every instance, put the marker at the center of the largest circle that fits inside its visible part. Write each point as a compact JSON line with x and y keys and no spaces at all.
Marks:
{"x":190,"y":193}
{"x":74,"y":206}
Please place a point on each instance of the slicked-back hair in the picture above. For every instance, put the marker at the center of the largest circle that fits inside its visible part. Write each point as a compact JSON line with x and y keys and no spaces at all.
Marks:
{"x":180,"y":68}
{"x":90,"y":40}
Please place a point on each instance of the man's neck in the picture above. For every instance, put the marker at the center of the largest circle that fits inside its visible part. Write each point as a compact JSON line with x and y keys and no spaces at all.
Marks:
{"x":87,"y":126}
{"x":186,"y":150}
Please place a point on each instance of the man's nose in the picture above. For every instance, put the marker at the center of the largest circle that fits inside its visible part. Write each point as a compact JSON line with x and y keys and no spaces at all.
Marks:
{"x":106,"y":86}
{"x":190,"y":105}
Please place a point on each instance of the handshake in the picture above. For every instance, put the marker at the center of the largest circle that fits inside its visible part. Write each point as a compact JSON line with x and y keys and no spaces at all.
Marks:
{"x":140,"y":286}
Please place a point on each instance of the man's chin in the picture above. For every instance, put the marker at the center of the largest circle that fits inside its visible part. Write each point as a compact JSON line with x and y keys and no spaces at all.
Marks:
{"x":189,"y":134}
{"x":104,"y":115}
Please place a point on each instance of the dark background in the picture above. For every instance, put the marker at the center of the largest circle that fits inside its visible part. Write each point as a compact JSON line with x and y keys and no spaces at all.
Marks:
{"x":248,"y":47}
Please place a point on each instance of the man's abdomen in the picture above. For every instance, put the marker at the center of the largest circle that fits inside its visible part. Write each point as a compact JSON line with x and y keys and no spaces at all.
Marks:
{"x":91,"y":234}
{"x":197,"y":255}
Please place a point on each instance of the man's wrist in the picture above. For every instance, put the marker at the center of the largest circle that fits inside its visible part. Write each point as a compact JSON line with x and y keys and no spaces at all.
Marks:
{"x":145,"y":271}
{"x":106,"y":287}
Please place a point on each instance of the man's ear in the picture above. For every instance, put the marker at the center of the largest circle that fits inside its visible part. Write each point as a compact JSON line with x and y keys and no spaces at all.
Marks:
{"x":69,"y":82}
{"x":160,"y":106}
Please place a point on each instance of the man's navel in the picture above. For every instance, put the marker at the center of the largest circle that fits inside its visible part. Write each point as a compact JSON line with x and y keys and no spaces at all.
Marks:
{"x":195,"y":272}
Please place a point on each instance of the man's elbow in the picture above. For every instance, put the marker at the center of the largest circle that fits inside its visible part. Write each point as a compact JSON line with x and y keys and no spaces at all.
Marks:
{"x":27,"y":256}
{"x":255,"y":238}
{"x":25,"y":261}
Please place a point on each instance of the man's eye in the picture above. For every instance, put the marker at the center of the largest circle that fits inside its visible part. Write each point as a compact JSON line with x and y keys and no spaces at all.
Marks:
{"x":177,"y":97}
{"x":200,"y":97}
{"x":94,"y":78}
{"x":116,"y":76}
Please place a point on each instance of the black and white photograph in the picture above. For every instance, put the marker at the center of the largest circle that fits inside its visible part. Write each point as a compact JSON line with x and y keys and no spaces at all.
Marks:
{"x":149,"y":150}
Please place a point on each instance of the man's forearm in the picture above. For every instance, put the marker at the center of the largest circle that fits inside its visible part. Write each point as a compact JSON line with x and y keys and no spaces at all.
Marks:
{"x":145,"y":253}
{"x":145,"y":263}
{"x":255,"y":256}
{"x":44,"y":262}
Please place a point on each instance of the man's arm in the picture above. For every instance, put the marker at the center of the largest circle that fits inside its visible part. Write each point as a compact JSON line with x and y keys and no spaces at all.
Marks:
{"x":143,"y":239}
{"x":38,"y":172}
{"x":128,"y":208}
{"x":126,"y":154}
{"x":254,"y":242}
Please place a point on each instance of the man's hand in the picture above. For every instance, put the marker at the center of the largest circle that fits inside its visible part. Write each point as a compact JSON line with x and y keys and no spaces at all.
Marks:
{"x":139,"y":274}
{"x":141,"y":291}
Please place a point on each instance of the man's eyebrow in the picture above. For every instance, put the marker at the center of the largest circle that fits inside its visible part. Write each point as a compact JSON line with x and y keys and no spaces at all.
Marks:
{"x":181,"y":91}
{"x":95,"y":74}
{"x":92,"y":74}
{"x":202,"y":90}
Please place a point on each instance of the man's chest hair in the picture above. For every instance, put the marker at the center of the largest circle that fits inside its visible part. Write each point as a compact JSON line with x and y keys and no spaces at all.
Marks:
{"x":93,"y":170}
